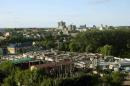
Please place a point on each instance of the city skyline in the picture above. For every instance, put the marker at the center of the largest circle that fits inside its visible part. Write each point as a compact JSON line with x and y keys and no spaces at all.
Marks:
{"x":47,"y":13}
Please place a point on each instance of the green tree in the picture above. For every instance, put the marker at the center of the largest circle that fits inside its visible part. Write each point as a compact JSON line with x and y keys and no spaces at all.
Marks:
{"x":106,"y":50}
{"x":6,"y":69}
{"x":47,"y":82}
{"x":116,"y":78}
{"x":73,"y":47}
{"x":9,"y":81}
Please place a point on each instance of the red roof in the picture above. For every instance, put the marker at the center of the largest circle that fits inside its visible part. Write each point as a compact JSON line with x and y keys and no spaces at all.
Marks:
{"x":53,"y":64}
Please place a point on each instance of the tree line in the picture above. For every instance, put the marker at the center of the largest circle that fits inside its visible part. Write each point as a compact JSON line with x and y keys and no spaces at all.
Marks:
{"x":108,"y":42}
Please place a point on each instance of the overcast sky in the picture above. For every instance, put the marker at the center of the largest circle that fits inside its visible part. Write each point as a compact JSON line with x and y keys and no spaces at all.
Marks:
{"x":46,"y":13}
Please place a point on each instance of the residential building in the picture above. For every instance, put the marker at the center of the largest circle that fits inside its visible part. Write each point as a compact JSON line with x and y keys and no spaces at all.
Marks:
{"x":18,"y":47}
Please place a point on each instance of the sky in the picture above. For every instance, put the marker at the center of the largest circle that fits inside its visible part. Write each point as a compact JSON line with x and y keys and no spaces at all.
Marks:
{"x":46,"y":13}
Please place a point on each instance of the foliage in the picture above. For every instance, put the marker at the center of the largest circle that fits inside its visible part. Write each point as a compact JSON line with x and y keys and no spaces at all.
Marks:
{"x":113,"y":78}
{"x":116,"y":41}
{"x":116,"y":78}
{"x":6,"y":69}
{"x":18,"y":77}
{"x":9,"y":81}
{"x":106,"y":50}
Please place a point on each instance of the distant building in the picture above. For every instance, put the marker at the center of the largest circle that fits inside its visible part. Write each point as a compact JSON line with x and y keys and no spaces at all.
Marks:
{"x":94,"y":27}
{"x":82,"y":28}
{"x":72,"y":27}
{"x":18,"y":48}
{"x":102,"y":27}
{"x":61,"y":25}
{"x":63,"y":29}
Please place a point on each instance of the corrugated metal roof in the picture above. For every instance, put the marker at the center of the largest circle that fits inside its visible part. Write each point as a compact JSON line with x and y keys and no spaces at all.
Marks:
{"x":53,"y":64}
{"x":22,"y":60}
